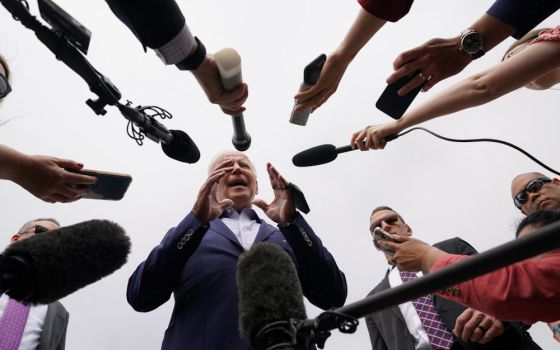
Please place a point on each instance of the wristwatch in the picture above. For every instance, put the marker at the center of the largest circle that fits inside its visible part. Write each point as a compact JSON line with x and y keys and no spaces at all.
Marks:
{"x":472,"y":43}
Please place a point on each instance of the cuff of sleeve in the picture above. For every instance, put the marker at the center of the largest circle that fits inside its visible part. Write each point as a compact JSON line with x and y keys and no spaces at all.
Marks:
{"x":177,"y":49}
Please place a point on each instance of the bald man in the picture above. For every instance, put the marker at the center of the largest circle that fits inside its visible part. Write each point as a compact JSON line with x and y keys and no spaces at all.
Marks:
{"x":534,"y":191}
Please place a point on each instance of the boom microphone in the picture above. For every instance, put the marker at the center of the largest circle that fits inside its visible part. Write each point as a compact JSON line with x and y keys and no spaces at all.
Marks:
{"x":270,"y":298}
{"x":49,"y":266}
{"x":229,"y":65}
{"x":176,"y":144}
{"x":323,"y":154}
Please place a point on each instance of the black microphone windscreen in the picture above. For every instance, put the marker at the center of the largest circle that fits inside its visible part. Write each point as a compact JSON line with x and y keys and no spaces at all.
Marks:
{"x":66,"y":259}
{"x":315,"y":156}
{"x":269,"y":290}
{"x":181,"y":148}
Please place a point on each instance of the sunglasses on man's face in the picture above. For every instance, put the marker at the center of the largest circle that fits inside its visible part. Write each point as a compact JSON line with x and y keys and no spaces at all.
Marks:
{"x":5,"y":87}
{"x":37,"y":229}
{"x":532,"y":186}
{"x":389,"y":220}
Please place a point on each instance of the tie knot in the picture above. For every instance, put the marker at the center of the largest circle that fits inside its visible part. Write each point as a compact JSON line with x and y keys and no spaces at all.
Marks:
{"x":408,"y":276}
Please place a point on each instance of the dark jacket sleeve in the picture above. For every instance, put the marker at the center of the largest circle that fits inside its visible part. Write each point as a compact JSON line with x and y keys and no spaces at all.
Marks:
{"x":154,"y":280}
{"x":523,"y":15}
{"x":377,"y":342}
{"x":154,"y":22}
{"x":323,"y":284}
{"x":389,"y":10}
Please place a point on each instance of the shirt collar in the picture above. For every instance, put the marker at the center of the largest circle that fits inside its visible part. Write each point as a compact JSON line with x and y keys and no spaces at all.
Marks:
{"x":231,"y":213}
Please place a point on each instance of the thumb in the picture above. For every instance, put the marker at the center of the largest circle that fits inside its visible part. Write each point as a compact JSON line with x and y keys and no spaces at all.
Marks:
{"x":225,"y":203}
{"x":261,"y":204}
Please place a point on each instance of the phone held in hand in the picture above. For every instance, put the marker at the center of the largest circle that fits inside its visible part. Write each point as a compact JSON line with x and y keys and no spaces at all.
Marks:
{"x":109,"y":186}
{"x":380,"y":234}
{"x":311,"y":75}
{"x":393,"y":104}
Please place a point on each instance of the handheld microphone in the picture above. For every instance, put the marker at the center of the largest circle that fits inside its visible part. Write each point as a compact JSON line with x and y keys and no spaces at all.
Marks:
{"x":323,"y":154}
{"x":49,"y":266}
{"x":229,"y":65}
{"x":270,"y":299}
{"x":176,"y":144}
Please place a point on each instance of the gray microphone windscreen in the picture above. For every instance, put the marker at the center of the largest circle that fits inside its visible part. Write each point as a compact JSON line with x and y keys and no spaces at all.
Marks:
{"x":269,"y":289}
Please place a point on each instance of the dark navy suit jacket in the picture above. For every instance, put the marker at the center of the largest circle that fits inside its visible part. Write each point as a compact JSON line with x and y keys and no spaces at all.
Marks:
{"x":197,"y":264}
{"x":388,"y":330}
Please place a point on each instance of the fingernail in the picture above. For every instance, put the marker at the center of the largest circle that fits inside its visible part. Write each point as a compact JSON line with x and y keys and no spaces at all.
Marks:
{"x":79,"y":165}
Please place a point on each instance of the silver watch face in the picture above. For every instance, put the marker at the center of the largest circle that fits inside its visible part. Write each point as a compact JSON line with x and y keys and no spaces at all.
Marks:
{"x":471,"y":43}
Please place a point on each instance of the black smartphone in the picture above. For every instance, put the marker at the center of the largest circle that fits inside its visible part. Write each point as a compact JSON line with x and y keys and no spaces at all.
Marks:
{"x":393,"y":104}
{"x":109,"y":186}
{"x":311,"y":74}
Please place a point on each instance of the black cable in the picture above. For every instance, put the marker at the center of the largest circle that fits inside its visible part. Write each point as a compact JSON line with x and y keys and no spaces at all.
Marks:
{"x":484,"y":140}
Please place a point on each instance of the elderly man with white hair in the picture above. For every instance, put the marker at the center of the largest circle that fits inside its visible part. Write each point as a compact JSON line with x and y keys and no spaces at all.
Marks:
{"x":196,"y":261}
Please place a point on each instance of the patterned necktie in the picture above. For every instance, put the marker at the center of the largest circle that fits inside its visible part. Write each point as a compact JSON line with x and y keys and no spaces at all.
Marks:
{"x":439,"y":336}
{"x":12,"y":324}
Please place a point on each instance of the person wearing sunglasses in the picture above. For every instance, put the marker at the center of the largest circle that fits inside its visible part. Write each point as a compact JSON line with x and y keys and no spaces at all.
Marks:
{"x":533,"y":191}
{"x":45,"y":177}
{"x":432,"y":322}
{"x":32,"y":327}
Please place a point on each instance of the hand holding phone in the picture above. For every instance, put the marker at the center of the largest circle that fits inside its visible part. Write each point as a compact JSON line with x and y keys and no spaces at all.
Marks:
{"x":109,"y":186}
{"x":311,"y":75}
{"x":393,"y":104}
{"x":380,"y":234}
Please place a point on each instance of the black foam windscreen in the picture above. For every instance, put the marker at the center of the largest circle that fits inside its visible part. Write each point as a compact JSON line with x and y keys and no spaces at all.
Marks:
{"x":269,"y":290}
{"x":181,"y":148}
{"x":54,"y":264}
{"x":315,"y":156}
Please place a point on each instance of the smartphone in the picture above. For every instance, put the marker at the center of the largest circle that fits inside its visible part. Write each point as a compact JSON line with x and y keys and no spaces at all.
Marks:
{"x":311,"y":75}
{"x":381,"y":234}
{"x":109,"y":186}
{"x":393,"y":104}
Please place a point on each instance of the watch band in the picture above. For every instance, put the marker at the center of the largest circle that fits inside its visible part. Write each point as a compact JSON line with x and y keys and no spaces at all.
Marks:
{"x":192,"y":62}
{"x":474,"y":55}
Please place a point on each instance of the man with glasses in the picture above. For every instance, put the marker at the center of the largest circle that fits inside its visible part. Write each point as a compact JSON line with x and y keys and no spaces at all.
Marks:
{"x":45,"y":177}
{"x":432,"y":322}
{"x":534,"y":191}
{"x":27,"y":327}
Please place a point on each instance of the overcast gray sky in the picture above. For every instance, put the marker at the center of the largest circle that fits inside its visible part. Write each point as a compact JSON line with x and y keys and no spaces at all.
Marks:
{"x":442,"y":189}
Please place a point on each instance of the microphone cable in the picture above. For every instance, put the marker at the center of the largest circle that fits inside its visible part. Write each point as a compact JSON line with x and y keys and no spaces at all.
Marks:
{"x":534,"y":159}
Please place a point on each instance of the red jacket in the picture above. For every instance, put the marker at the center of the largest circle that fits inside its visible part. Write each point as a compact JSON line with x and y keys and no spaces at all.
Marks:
{"x":528,"y":291}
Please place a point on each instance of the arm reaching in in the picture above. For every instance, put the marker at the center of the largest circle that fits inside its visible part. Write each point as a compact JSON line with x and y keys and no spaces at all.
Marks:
{"x":43,"y":176}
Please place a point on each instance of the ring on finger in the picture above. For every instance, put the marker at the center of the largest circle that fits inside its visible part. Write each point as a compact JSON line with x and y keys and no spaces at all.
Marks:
{"x":479,"y":326}
{"x":423,"y":76}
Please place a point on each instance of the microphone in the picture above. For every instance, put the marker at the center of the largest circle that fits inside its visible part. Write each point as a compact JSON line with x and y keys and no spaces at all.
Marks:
{"x":176,"y":144}
{"x":323,"y":154}
{"x":270,"y":299}
{"x":229,"y":65}
{"x":49,"y":266}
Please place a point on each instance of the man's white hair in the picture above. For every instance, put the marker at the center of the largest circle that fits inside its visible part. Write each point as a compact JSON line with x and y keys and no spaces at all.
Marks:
{"x":222,"y":154}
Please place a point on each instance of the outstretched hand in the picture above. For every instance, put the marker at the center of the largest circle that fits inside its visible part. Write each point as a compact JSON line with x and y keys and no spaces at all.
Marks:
{"x":208,"y":76}
{"x":373,"y":136}
{"x":436,"y":60}
{"x":330,"y":77}
{"x":47,"y":178}
{"x":207,"y":206}
{"x":282,"y":209}
{"x":411,"y":254}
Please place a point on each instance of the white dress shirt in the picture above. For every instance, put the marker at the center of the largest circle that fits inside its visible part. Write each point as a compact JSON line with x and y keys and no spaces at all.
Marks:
{"x":413,"y":322}
{"x":245,"y":226}
{"x":33,"y":327}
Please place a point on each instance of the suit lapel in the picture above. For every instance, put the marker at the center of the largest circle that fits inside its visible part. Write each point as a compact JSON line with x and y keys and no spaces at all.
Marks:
{"x":218,"y":226}
{"x":264,"y":232}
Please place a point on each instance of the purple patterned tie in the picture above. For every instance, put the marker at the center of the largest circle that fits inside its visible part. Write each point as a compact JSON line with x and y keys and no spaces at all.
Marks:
{"x":12,"y":324}
{"x":440,"y":337}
